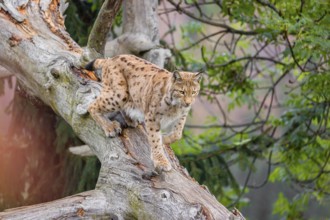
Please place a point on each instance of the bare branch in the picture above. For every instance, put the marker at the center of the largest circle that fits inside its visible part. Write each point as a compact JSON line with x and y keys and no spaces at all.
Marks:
{"x":269,"y":5}
{"x":83,"y":151}
{"x":210,"y":22}
{"x":292,"y":52}
{"x":249,"y":58}
{"x":202,"y":39}
{"x":98,"y":36}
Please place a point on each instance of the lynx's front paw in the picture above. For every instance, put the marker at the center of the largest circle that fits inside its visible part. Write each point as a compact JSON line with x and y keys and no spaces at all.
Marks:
{"x":162,"y":164}
{"x":167,"y":139}
{"x":131,"y":123}
{"x":112,"y":129}
{"x":171,"y":138}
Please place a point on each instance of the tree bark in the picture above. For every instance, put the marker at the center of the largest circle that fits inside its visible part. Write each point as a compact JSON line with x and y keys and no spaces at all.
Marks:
{"x":47,"y":62}
{"x":140,"y":35}
{"x":4,"y":73}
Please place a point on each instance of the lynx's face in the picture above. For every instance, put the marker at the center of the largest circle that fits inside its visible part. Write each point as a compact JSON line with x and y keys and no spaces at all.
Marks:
{"x":185,"y":88}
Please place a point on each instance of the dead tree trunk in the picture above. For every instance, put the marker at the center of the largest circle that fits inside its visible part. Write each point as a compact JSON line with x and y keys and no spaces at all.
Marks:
{"x":47,"y":62}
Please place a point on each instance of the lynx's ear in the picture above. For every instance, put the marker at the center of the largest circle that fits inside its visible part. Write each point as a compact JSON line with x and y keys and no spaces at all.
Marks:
{"x":177,"y":76}
{"x":198,"y":76}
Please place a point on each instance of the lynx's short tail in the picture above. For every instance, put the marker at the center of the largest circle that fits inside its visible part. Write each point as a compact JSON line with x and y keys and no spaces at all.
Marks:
{"x":95,"y":64}
{"x":92,"y":66}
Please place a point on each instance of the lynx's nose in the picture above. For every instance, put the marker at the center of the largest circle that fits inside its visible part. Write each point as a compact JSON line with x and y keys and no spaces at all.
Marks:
{"x":187,"y":102}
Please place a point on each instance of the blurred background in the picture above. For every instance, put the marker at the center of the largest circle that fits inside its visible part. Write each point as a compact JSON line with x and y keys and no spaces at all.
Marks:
{"x":258,"y":135}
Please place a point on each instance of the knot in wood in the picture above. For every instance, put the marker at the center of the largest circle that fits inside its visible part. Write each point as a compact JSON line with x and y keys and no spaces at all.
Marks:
{"x":80,"y":212}
{"x":165,"y":195}
{"x":55,"y":73}
{"x":14,"y":40}
{"x":114,"y":156}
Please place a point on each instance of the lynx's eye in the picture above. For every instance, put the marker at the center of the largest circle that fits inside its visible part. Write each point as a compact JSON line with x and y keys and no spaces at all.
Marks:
{"x":194,"y":92}
{"x":180,"y":92}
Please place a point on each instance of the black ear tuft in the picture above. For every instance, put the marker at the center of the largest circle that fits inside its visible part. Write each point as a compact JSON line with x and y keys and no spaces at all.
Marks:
{"x":198,"y":76}
{"x":90,"y":66}
{"x":176,"y":75}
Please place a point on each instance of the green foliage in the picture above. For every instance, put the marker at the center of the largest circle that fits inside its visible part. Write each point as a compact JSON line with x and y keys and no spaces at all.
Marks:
{"x":80,"y":19}
{"x":271,"y":59}
{"x":291,"y":210}
{"x":189,"y":32}
{"x":82,"y":174}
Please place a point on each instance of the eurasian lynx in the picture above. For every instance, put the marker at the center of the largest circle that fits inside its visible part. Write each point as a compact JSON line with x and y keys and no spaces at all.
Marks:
{"x":144,"y":92}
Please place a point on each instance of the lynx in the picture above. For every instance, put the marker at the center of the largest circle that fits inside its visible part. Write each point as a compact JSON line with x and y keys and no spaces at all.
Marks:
{"x":146,"y":93}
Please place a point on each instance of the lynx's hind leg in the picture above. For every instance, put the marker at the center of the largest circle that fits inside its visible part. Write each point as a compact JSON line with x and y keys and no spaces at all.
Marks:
{"x":108,"y":102}
{"x":129,"y":121}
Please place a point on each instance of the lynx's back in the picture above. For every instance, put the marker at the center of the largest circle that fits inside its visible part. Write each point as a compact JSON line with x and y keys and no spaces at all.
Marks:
{"x":140,"y":78}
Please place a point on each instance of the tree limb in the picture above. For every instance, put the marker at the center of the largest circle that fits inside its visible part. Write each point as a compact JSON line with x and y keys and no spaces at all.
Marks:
{"x":98,"y":36}
{"x":140,"y":34}
{"x":83,"y":151}
{"x":83,"y":205}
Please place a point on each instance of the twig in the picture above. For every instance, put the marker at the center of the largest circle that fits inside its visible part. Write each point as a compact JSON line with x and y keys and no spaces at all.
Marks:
{"x":209,"y":22}
{"x":202,"y":39}
{"x":269,"y":5}
{"x":248,"y":58}
{"x":292,"y":53}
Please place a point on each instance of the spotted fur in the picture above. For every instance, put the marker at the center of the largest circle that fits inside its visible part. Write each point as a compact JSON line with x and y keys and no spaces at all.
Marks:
{"x":145,"y":92}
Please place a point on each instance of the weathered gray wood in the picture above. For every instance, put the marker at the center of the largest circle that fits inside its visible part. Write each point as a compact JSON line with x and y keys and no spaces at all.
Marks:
{"x":140,"y":35}
{"x":46,"y":61}
{"x":91,"y":204}
{"x":83,"y":151}
{"x":4,"y":72}
{"x":11,"y":6}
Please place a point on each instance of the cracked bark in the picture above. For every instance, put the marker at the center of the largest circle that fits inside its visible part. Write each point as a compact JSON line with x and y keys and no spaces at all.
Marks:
{"x":47,"y":62}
